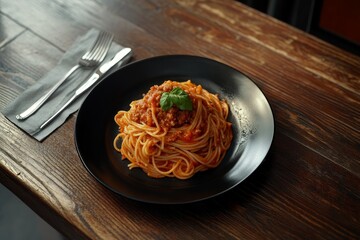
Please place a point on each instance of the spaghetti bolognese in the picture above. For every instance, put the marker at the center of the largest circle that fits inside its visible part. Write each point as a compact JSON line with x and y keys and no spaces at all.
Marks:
{"x":176,"y":130}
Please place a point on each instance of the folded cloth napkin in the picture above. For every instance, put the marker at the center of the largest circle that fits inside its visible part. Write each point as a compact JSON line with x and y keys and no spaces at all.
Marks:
{"x":61,"y":95}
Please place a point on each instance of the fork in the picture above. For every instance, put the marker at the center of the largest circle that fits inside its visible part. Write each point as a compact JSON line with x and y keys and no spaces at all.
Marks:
{"x":90,"y":59}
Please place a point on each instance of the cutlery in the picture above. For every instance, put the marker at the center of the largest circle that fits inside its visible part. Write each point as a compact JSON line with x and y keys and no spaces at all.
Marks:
{"x":93,"y":79}
{"x":90,"y":59}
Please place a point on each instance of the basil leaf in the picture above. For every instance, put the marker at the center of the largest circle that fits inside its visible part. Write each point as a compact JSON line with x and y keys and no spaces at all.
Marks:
{"x":176,"y":96}
{"x":165,"y":101}
{"x":186,"y":104}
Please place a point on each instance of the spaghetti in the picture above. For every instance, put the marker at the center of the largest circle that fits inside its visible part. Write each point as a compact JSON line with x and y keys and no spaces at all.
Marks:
{"x":174,"y":142}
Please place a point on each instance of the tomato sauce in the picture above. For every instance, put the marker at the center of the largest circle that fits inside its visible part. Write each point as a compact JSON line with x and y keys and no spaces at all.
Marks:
{"x":174,"y":117}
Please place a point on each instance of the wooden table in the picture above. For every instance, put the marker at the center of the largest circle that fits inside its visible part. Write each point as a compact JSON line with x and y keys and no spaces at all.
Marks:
{"x":307,"y":188}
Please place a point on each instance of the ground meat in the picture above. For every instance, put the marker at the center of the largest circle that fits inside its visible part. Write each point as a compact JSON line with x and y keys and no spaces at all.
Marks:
{"x":150,"y":104}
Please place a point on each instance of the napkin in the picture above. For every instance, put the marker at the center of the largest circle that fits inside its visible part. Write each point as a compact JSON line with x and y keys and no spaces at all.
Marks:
{"x":31,"y":124}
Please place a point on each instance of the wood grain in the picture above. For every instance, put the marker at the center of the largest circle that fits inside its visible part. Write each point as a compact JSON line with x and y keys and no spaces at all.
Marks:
{"x":307,"y":187}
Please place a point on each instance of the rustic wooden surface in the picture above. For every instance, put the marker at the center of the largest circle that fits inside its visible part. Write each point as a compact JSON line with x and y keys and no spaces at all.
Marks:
{"x":308,"y":186}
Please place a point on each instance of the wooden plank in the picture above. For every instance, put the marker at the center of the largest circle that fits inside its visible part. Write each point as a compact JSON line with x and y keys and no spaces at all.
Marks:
{"x":58,"y":29}
{"x":71,"y":19}
{"x":23,"y":61}
{"x":9,"y":30}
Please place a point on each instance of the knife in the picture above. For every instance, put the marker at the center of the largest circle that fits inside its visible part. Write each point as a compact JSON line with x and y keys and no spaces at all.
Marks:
{"x":92,"y":80}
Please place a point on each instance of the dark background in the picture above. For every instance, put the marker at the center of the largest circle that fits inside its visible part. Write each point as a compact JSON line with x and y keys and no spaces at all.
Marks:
{"x":334,"y":21}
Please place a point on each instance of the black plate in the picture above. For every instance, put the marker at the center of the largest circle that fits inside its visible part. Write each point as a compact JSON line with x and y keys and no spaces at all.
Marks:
{"x":250,"y":114}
